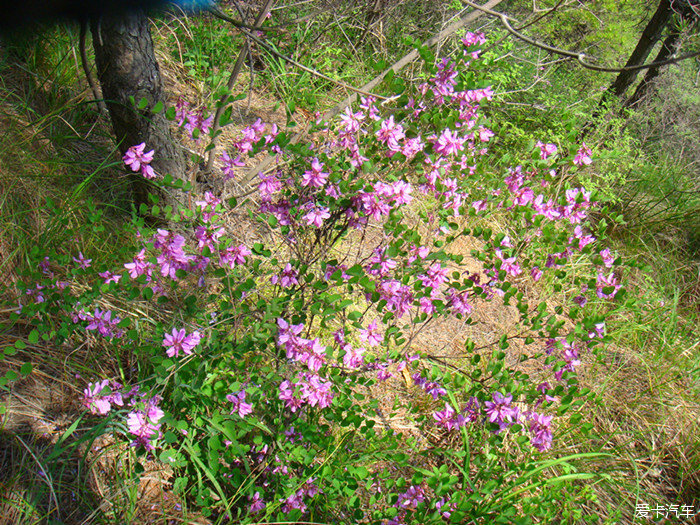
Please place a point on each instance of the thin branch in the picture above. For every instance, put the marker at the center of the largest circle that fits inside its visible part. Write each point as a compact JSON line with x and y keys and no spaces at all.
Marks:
{"x":544,"y":15}
{"x":580,"y":57}
{"x":289,"y":60}
{"x":223,"y":102}
{"x":86,"y":69}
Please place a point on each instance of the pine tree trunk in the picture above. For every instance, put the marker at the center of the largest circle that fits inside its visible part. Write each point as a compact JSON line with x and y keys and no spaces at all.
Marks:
{"x":126,"y":68}
{"x":650,"y":36}
{"x":667,"y":50}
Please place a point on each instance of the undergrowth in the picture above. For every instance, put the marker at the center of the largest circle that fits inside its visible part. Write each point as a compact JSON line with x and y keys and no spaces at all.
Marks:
{"x":265,"y":369}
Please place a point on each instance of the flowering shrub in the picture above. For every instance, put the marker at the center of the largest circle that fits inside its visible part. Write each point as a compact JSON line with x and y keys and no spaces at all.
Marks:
{"x":265,"y":387}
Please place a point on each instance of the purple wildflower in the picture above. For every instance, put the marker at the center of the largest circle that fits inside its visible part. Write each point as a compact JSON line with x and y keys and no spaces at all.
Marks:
{"x":82,"y":262}
{"x":239,"y":404}
{"x":137,"y":160}
{"x":234,"y":255}
{"x":371,"y":335}
{"x":546,"y":149}
{"x":583,"y":156}
{"x":541,"y":432}
{"x":501,"y":411}
{"x":229,"y":165}
{"x":97,"y":402}
{"x":110,"y":277}
{"x":316,"y":216}
{"x":145,"y":424}
{"x":287,"y":278}
{"x":178,"y":341}
{"x":256,"y":503}
{"x":315,"y":177}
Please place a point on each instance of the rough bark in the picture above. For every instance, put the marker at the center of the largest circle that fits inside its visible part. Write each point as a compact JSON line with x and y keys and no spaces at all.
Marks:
{"x":128,"y":70}
{"x":650,"y":36}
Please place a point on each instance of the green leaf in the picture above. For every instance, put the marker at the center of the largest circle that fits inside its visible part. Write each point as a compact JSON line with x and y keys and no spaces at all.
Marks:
{"x":226,"y":116}
{"x":361,"y":472}
{"x":33,"y":337}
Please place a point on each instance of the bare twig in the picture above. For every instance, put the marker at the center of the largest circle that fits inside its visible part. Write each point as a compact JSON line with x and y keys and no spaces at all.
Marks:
{"x":223,"y":102}
{"x":580,"y":57}
{"x":86,"y":69}
{"x":544,"y":15}
{"x":289,"y":60}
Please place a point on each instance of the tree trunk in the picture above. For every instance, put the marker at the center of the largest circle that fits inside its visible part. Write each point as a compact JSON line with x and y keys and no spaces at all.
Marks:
{"x":650,"y":36}
{"x":126,"y":68}
{"x":667,"y":50}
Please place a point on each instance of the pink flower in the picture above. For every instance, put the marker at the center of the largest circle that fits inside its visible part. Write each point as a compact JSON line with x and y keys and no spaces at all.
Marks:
{"x":315,"y":177}
{"x":256,"y":502}
{"x":135,"y":156}
{"x":94,"y":400}
{"x":584,"y":239}
{"x":208,"y":237}
{"x":208,"y":206}
{"x":137,"y":160}
{"x":110,"y":277}
{"x":269,"y":185}
{"x":103,"y":322}
{"x":500,"y":410}
{"x":583,"y":156}
{"x":229,"y":165}
{"x":546,"y":149}
{"x":435,"y":276}
{"x":353,"y":356}
{"x":139,"y":266}
{"x":611,"y":283}
{"x":473,"y":39}
{"x":608,"y":258}
{"x":540,"y":430}
{"x":390,"y":133}
{"x":449,"y":143}
{"x":288,"y":394}
{"x":239,"y":404}
{"x":234,"y":255}
{"x":316,"y":216}
{"x":197,"y":125}
{"x":178,"y":341}
{"x":145,"y":424}
{"x":412,"y":146}
{"x":508,"y":264}
{"x":458,"y":302}
{"x":444,"y":418}
{"x":351,"y":122}
{"x":485,"y":134}
{"x":82,"y":262}
{"x":427,"y":306}
{"x":372,"y":336}
{"x":287,"y":278}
